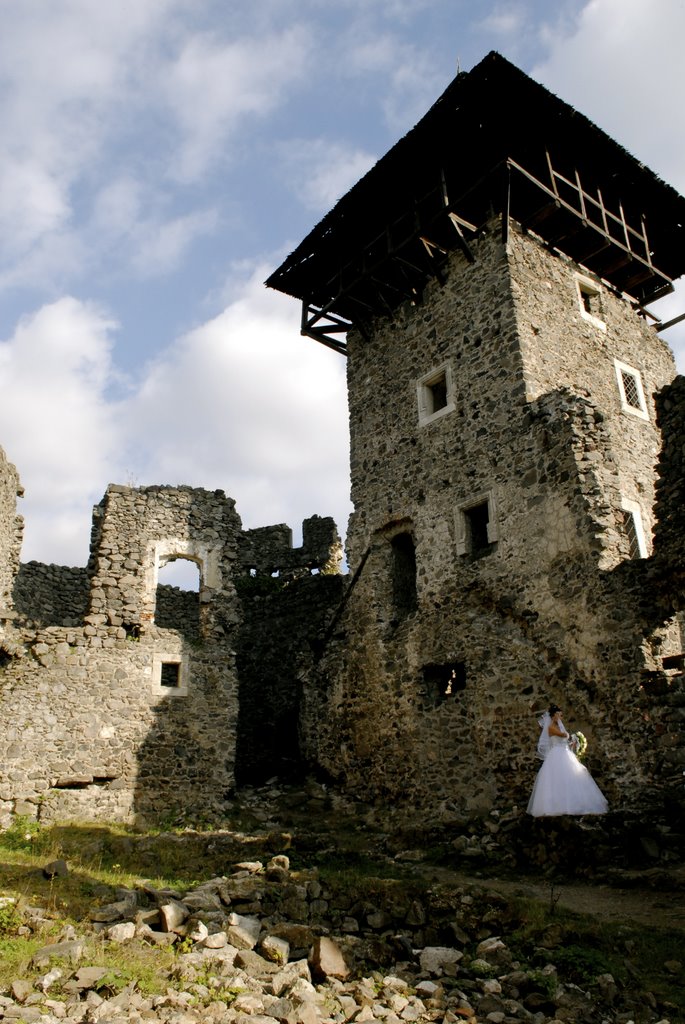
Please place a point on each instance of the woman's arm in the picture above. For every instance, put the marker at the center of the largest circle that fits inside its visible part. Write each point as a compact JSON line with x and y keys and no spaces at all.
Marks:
{"x":554,"y":730}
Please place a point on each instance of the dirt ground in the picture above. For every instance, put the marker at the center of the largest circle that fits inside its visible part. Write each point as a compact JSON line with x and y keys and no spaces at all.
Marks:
{"x":643,"y":906}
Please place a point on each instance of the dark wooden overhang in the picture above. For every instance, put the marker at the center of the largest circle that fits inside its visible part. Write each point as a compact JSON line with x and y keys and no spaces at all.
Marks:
{"x":496,"y":142}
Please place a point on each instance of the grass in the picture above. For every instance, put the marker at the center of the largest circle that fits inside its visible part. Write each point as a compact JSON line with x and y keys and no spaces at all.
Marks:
{"x":582,"y":948}
{"x":102,"y":859}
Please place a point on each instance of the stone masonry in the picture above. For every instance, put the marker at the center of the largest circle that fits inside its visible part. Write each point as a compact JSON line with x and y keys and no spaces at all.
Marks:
{"x":517,"y":440}
{"x":119,"y":698}
{"x":447,"y":648}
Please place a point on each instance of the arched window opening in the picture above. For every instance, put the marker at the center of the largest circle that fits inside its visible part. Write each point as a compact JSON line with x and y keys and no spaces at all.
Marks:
{"x":178,"y":596}
{"x":403,"y":575}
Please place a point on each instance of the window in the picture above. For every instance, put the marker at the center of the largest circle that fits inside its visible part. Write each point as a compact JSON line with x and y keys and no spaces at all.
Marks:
{"x":170,"y":674}
{"x":632,"y":522}
{"x":590,"y":301}
{"x":631,"y":390}
{"x":435,"y":394}
{"x":403,"y":575}
{"x":443,"y":682}
{"x":477,"y":526}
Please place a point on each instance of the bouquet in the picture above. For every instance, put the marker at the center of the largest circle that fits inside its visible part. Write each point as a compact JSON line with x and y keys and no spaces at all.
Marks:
{"x":577,"y":743}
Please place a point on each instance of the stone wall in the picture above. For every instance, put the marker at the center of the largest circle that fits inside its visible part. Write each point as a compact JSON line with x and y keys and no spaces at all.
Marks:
{"x":670,"y":530}
{"x":283,"y":621}
{"x":109,"y":714}
{"x":446,"y":649}
{"x":51,"y":595}
{"x":11,"y":526}
{"x":120,"y":697}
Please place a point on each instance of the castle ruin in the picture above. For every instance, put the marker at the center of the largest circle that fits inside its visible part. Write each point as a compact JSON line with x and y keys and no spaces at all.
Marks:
{"x":517,"y":439}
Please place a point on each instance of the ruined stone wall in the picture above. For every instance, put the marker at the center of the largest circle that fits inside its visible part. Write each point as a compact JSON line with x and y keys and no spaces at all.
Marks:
{"x":269,"y":549}
{"x":51,"y":595}
{"x":11,"y":526}
{"x":283,"y":622}
{"x":120,"y":697}
{"x":430,"y":688}
{"x":670,"y":531}
{"x":115,"y":715}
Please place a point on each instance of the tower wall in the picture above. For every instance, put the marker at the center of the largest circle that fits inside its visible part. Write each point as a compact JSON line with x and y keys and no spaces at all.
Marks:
{"x":490,"y":538}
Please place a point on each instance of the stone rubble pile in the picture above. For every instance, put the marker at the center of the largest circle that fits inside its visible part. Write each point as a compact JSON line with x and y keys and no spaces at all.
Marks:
{"x":265,"y":945}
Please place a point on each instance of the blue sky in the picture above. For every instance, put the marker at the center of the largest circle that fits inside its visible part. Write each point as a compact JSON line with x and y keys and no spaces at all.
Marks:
{"x":160,"y":158}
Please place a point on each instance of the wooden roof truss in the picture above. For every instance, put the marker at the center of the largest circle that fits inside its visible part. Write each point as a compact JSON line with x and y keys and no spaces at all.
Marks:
{"x":395,"y":266}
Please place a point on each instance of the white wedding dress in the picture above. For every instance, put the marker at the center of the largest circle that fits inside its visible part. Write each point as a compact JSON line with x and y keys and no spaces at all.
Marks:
{"x":564,"y":785}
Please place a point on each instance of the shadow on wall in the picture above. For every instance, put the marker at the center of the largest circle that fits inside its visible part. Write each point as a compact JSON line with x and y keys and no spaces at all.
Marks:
{"x":282,"y":620}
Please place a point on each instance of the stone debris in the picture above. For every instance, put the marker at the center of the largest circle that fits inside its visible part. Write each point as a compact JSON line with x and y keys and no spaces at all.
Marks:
{"x":234,"y":968}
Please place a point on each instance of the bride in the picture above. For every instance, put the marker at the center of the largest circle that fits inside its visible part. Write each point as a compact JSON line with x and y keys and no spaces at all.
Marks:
{"x":563,"y":785}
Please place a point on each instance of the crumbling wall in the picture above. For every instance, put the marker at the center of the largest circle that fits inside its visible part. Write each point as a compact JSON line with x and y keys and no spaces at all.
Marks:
{"x":283,"y":623}
{"x":51,"y":595}
{"x":669,"y":536}
{"x":433,"y":696}
{"x":120,"y":698}
{"x":288,"y":596}
{"x":11,"y":526}
{"x":112,"y":714}
{"x":267,"y":550}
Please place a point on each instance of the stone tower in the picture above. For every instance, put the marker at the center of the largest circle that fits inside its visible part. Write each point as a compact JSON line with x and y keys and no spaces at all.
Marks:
{"x":488,"y":281}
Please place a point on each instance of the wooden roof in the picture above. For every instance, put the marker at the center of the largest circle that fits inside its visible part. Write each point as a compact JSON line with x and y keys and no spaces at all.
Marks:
{"x":494,"y":142}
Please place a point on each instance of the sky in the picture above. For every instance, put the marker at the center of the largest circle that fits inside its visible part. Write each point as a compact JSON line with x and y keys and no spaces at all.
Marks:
{"x":159,"y":160}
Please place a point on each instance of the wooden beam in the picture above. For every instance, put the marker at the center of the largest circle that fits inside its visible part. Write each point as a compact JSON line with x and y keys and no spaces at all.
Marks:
{"x":670,"y":323}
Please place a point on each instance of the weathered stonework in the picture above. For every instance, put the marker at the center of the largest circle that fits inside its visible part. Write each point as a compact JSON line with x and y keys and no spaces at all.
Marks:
{"x":11,"y":527}
{"x":670,"y":528}
{"x":119,"y":698}
{"x":443,"y":653}
{"x":511,"y":404}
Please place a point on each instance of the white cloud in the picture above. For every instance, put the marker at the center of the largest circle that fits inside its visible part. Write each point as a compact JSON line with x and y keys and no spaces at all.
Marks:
{"x":408,"y":80}
{"x":320,"y":171}
{"x":240,"y":403}
{"x":104,"y":111}
{"x":55,"y":422}
{"x":32,"y":203}
{"x":623,"y":67}
{"x":160,"y":247}
{"x":213,"y":85}
{"x":504,"y":20}
{"x":244,"y":404}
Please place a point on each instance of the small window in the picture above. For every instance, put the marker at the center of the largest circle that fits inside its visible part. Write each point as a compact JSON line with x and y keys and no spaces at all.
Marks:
{"x":634,"y":530}
{"x":170,"y":674}
{"x":435,"y":394}
{"x":631,"y":390}
{"x":443,"y":682}
{"x":590,"y":301}
{"x":477,"y":527}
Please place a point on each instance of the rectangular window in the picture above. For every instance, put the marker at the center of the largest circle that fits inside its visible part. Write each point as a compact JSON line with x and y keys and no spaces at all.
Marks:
{"x":634,"y":530}
{"x":170,"y":674}
{"x":477,"y":526}
{"x":630,"y":390}
{"x":435,"y":394}
{"x":477,"y":521}
{"x":590,"y":301}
